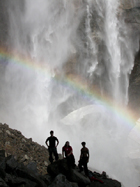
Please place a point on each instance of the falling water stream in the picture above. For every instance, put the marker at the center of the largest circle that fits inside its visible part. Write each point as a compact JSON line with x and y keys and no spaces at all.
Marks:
{"x":38,"y":95}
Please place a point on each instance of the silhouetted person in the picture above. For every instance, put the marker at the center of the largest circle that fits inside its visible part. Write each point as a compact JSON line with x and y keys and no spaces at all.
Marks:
{"x":84,"y":158}
{"x":67,"y":150}
{"x":52,"y":146}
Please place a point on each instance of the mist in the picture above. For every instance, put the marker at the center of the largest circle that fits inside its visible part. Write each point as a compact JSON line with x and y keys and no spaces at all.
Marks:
{"x":37,"y":96}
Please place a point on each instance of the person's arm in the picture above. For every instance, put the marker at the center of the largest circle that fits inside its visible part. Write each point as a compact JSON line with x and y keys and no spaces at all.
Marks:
{"x":63,"y":152}
{"x":88,"y":155}
{"x":57,"y":142}
{"x":47,"y":142}
{"x":80,"y":155}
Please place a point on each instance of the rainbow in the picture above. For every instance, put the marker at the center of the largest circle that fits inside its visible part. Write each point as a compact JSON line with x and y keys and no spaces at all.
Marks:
{"x":22,"y":60}
{"x":73,"y":82}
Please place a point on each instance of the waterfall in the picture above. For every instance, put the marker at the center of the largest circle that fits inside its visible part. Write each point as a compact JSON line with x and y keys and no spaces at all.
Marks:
{"x":113,"y":46}
{"x":67,"y":45}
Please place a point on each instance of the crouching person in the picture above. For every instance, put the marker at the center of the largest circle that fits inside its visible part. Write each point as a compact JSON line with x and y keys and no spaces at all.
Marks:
{"x":68,"y":152}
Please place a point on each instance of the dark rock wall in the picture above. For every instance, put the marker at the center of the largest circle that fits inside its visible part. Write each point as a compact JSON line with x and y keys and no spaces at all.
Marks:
{"x":134,"y":86}
{"x":132,"y":19}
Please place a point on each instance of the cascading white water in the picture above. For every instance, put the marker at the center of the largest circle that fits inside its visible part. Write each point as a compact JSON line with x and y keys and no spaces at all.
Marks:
{"x":35,"y":102}
{"x":113,"y":46}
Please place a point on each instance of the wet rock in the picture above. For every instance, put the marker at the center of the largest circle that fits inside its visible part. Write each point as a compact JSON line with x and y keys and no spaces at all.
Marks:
{"x":47,"y":179}
{"x":2,"y":164}
{"x":61,"y":181}
{"x":57,"y":167}
{"x":2,"y":153}
{"x":32,"y":166}
{"x":2,"y":183}
{"x":11,"y":164}
{"x":12,"y":180}
{"x":72,"y":175}
{"x":26,"y":173}
{"x":79,"y":178}
{"x":132,"y":15}
{"x":16,"y":174}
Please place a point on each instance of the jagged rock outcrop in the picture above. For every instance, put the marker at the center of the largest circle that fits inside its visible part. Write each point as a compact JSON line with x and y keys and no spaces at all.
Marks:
{"x":61,"y":181}
{"x":23,"y":149}
{"x":72,"y":175}
{"x":134,"y":91}
{"x":93,"y":180}
{"x":17,"y":174}
{"x":132,"y":19}
{"x":13,"y":173}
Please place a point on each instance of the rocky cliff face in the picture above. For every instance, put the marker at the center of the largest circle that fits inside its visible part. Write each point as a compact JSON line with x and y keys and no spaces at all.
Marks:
{"x":130,"y":12}
{"x":132,"y":19}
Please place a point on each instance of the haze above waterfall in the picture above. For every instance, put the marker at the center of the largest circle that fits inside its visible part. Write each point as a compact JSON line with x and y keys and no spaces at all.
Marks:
{"x":70,"y":44}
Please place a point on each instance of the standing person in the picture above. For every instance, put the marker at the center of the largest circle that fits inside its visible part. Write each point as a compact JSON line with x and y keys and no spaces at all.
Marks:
{"x":67,"y":150}
{"x":52,"y":147}
{"x":84,"y":158}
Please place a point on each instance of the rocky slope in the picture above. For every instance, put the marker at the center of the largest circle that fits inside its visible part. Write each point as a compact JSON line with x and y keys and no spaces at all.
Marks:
{"x":24,"y":150}
{"x":24,"y":163}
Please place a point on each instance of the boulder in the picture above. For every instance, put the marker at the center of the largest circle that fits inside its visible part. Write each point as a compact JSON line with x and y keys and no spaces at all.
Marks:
{"x":58,"y":167}
{"x":17,"y":174}
{"x":23,"y":172}
{"x":32,"y":166}
{"x":2,"y":164}
{"x":47,"y":179}
{"x":94,"y":179}
{"x":13,"y":180}
{"x":2,"y":183}
{"x":61,"y":181}
{"x":11,"y":164}
{"x":72,"y":175}
{"x":79,"y":178}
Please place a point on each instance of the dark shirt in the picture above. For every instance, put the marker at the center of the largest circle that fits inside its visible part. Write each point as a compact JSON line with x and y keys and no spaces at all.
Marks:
{"x":52,"y":140}
{"x":84,"y":152}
